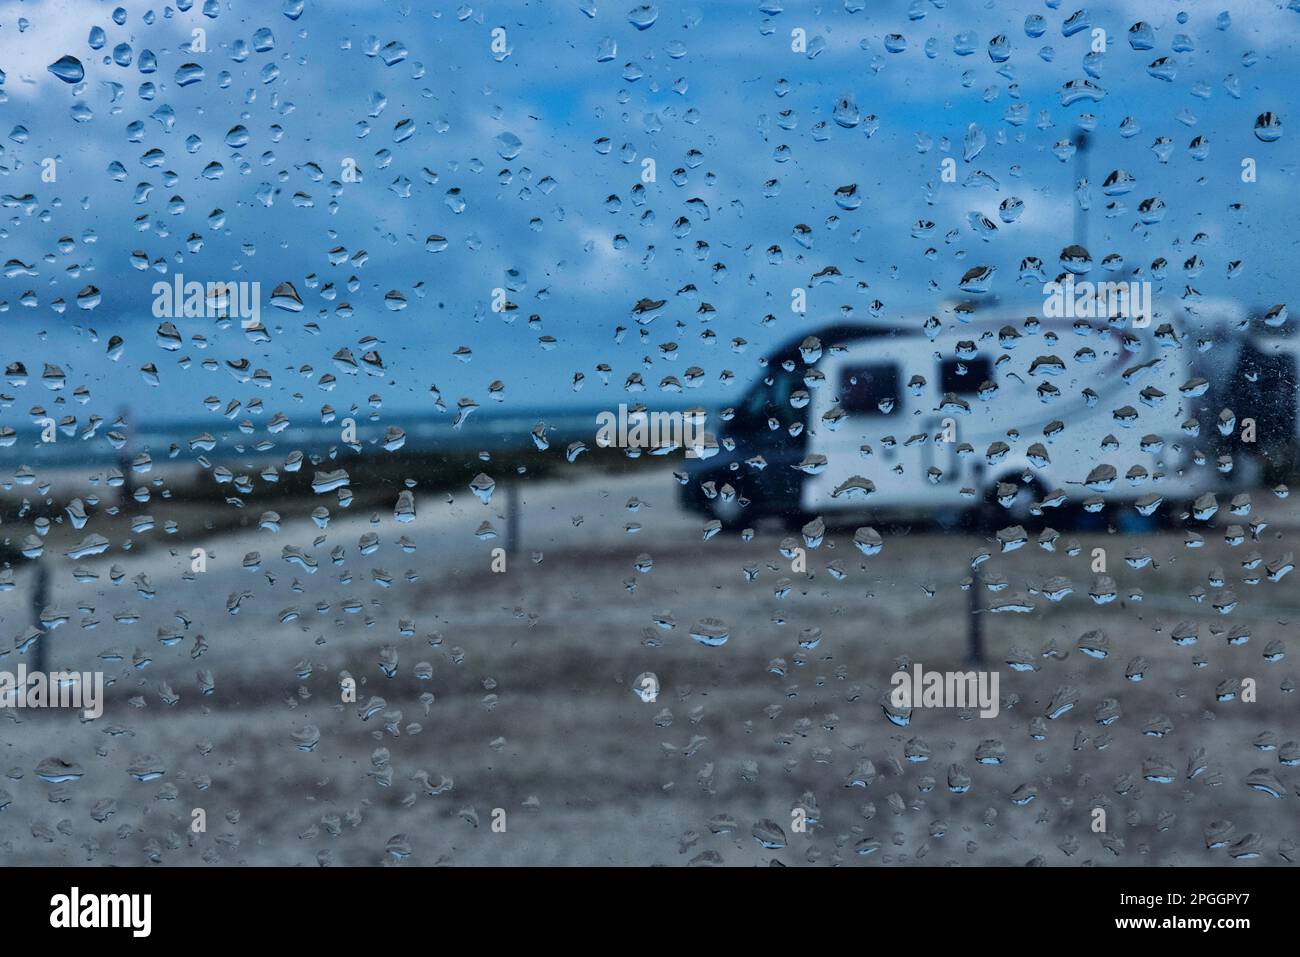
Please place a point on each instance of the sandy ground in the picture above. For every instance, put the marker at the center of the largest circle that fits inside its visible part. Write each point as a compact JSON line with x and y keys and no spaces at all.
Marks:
{"x":532,"y":670}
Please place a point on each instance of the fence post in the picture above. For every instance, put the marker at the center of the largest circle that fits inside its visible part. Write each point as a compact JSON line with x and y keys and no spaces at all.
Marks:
{"x":975,"y":617}
{"x":40,"y":597}
{"x":513,"y":508}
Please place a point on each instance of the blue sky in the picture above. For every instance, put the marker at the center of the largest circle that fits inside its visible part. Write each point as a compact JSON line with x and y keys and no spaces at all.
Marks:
{"x":713,"y":89}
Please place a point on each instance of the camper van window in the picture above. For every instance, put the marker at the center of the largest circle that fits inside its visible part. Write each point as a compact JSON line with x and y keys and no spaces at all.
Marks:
{"x":964,"y":376}
{"x":863,"y":389}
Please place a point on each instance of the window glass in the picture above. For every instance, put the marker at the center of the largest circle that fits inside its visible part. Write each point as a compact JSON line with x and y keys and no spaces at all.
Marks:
{"x":870,"y":389}
{"x":964,"y":376}
{"x":362,"y":451}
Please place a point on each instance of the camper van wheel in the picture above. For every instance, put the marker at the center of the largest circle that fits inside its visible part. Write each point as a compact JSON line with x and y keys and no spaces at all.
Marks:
{"x":952,"y":518}
{"x":794,"y":520}
{"x":988,"y":517}
{"x":973,"y":518}
{"x":1169,"y":516}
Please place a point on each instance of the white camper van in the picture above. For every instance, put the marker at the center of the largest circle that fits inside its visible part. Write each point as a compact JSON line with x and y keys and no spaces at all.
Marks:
{"x":996,"y":417}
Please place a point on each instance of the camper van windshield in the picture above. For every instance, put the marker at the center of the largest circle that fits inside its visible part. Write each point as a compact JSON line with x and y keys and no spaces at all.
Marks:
{"x":768,"y":400}
{"x":870,"y":389}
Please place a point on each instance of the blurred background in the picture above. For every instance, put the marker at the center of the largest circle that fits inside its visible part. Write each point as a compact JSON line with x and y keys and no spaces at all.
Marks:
{"x":825,"y":230}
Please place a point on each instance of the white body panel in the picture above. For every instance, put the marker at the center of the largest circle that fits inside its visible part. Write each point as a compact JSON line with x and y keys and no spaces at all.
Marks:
{"x":900,"y":473}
